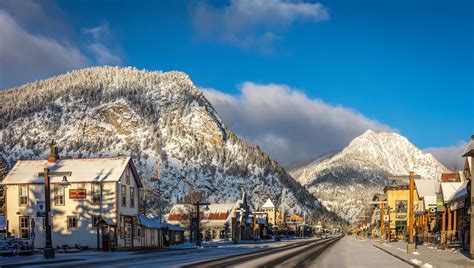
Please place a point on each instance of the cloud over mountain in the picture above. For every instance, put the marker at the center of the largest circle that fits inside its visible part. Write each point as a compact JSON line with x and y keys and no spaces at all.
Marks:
{"x":287,"y":123}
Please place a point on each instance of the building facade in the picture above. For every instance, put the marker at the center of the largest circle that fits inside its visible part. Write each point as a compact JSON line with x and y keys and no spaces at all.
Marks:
{"x":98,"y":208}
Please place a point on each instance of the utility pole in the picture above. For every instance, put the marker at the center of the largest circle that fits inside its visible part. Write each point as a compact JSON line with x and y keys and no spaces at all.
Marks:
{"x":198,"y":212}
{"x":48,"y":249}
{"x":411,"y":219}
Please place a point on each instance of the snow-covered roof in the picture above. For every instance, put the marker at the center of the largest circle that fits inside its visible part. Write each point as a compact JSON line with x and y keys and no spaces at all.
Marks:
{"x":451,"y":190}
{"x":469,"y":150}
{"x":154,"y":224}
{"x":3,"y":223}
{"x":429,"y":201}
{"x":426,"y":187}
{"x":173,"y":227}
{"x":82,"y":170}
{"x":268,"y":204}
{"x":149,"y":223}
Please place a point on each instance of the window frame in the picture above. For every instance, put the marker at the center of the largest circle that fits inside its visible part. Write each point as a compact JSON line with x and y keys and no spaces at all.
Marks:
{"x":95,"y":194}
{"x":132,"y":197}
{"x":76,"y":222}
{"x":56,"y":187}
{"x":127,"y":176}
{"x":22,"y":228}
{"x":27,"y":187}
{"x":123,"y":195}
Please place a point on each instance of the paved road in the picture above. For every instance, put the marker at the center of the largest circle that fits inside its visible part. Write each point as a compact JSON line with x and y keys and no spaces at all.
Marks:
{"x":353,"y":252}
{"x":331,"y":252}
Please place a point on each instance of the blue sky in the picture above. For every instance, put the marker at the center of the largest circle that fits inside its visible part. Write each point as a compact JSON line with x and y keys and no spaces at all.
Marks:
{"x":402,"y":65}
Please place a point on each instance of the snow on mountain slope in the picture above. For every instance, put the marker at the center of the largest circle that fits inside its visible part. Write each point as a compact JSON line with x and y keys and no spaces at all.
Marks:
{"x":347,"y":180}
{"x":109,"y":111}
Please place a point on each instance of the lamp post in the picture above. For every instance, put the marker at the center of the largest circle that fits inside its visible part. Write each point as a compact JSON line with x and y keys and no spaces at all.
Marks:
{"x":48,"y":249}
{"x":198,"y":204}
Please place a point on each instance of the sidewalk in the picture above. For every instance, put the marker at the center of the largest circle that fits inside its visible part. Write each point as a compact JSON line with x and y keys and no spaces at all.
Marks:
{"x":426,"y":255}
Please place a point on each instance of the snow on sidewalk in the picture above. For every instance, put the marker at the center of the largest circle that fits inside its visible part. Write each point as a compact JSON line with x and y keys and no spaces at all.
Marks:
{"x":427,"y":256}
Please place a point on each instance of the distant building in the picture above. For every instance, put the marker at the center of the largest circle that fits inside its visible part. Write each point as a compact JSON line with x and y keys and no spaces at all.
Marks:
{"x":217,"y":221}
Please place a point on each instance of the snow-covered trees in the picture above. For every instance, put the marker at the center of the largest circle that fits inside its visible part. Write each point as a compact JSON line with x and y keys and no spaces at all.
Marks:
{"x":109,"y":111}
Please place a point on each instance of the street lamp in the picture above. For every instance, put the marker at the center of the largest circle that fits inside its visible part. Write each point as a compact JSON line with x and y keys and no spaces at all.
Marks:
{"x":48,"y":249}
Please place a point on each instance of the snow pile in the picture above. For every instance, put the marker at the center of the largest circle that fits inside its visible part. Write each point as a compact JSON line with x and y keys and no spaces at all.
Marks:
{"x":362,"y":167}
{"x":416,"y":262}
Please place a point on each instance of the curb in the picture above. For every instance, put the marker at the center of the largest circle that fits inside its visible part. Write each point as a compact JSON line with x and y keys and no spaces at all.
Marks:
{"x":396,"y":256}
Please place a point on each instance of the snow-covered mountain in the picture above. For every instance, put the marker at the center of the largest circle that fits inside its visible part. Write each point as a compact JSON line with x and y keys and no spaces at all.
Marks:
{"x":109,"y":111}
{"x":345,"y":181}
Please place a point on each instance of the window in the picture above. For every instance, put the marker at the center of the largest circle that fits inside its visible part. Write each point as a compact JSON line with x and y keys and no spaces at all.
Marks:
{"x":25,"y":227}
{"x":124,"y":196}
{"x":71,"y":222}
{"x":139,"y":234}
{"x":132,"y":197}
{"x":58,"y":195}
{"x":95,"y":219}
{"x":23,"y":195}
{"x":96,"y":193}
{"x":127,"y":176}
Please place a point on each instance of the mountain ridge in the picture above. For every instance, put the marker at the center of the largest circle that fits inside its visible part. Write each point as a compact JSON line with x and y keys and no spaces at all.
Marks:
{"x":108,"y":111}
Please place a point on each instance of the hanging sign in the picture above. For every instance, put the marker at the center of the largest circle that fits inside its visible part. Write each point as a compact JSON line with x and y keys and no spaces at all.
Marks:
{"x":77,"y":194}
{"x":40,"y":209}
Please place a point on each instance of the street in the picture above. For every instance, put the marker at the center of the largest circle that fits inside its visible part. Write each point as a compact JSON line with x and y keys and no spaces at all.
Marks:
{"x":336,"y":251}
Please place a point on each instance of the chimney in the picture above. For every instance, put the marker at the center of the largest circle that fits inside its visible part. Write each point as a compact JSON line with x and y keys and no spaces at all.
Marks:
{"x":53,"y":153}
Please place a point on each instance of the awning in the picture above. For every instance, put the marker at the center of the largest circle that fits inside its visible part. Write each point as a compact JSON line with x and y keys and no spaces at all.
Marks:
{"x":105,"y":221}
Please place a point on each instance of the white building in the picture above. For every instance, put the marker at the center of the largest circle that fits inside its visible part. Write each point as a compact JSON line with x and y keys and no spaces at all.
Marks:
{"x":100,"y":190}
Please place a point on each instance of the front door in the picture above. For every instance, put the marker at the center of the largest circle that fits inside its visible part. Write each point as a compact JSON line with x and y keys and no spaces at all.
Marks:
{"x":105,"y":238}
{"x":128,"y":235}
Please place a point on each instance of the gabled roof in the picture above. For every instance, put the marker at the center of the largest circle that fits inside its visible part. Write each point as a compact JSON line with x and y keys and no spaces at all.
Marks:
{"x":82,"y":170}
{"x":469,"y":151}
{"x":268,"y":204}
{"x":452,"y":190}
{"x":426,"y":187}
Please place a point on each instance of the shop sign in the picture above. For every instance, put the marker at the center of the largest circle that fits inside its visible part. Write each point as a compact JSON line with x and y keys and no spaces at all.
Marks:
{"x":77,"y":194}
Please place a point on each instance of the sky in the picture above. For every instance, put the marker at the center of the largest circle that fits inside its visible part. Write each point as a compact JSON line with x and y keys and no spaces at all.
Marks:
{"x":299,"y":78}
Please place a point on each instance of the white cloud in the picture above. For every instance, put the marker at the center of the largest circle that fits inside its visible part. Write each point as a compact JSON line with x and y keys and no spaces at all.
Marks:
{"x":253,"y":23}
{"x":286,"y":123}
{"x":24,"y":56}
{"x":450,"y":156}
{"x":37,"y":42}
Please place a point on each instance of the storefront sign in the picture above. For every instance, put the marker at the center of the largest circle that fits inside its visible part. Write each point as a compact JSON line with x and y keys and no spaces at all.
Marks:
{"x":77,"y":194}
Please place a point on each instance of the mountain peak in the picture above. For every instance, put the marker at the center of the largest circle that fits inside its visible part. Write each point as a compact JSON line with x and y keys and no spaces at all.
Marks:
{"x":363,"y":166}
